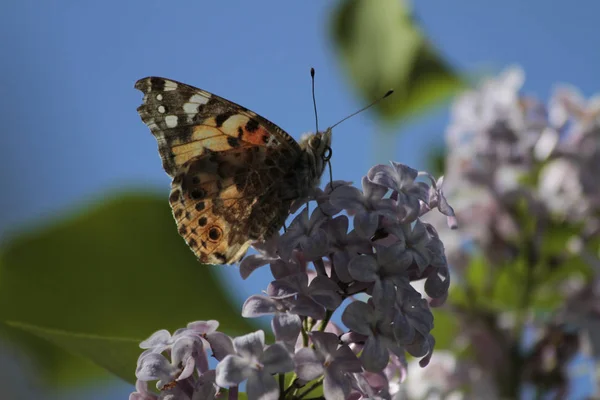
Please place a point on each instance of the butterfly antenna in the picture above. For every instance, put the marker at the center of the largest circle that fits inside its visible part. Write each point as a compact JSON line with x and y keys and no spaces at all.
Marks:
{"x":389,"y":92}
{"x":312,"y":78}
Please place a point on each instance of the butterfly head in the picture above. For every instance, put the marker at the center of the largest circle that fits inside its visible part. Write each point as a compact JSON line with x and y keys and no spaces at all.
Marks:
{"x":317,"y":147}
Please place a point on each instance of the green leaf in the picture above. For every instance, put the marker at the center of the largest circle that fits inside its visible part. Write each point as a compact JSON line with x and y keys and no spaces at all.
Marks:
{"x":509,"y":286}
{"x":381,"y":47}
{"x":116,"y":355}
{"x":445,"y":328}
{"x":118,"y":269}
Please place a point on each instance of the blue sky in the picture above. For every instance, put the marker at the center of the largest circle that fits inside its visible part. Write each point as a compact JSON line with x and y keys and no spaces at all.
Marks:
{"x":71,"y":133}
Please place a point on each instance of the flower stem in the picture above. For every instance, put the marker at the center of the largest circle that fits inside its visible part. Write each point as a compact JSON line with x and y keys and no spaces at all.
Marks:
{"x":282,"y":386}
{"x":328,"y":314}
{"x":233,"y":393}
{"x":320,"y":267}
{"x":304,"y":336}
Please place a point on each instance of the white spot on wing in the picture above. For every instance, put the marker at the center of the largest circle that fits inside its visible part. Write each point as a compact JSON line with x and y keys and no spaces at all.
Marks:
{"x":170,"y":85}
{"x":161,"y":109}
{"x":272,"y":142}
{"x":198,"y":99}
{"x":171,"y":121}
{"x":190,"y":108}
{"x":159,"y":97}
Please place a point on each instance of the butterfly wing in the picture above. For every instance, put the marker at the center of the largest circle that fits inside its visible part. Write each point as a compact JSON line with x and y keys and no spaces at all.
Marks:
{"x":231,"y":168}
{"x":187,"y":122}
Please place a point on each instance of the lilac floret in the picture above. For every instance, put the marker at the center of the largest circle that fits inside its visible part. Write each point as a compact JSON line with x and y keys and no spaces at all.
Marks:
{"x":254,"y":363}
{"x":328,"y":358}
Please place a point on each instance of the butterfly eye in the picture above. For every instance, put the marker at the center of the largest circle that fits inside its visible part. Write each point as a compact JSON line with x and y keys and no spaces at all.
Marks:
{"x":314,"y":142}
{"x":327,"y":154}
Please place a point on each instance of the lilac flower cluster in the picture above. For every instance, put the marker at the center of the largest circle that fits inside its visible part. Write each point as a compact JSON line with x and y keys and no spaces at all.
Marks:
{"x":505,"y":148}
{"x":524,"y":179}
{"x":317,"y":264}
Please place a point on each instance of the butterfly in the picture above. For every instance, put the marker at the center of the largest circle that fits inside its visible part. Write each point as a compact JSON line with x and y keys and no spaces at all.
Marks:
{"x":235,"y":174}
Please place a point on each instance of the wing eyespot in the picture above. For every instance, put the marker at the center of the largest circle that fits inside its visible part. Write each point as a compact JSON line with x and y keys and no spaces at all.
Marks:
{"x":215,"y":233}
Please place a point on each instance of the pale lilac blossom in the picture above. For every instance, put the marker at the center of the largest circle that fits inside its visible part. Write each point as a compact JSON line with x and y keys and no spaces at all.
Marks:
{"x":322,"y":259}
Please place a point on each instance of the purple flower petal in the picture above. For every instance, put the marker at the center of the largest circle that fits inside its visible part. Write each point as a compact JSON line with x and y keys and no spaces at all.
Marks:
{"x":356,"y":317}
{"x":221,"y":344}
{"x":142,"y":392}
{"x":375,"y":355}
{"x":340,"y":264}
{"x":421,"y":346}
{"x":364,"y":268}
{"x":276,"y":359}
{"x":383,"y":175}
{"x":346,"y":360}
{"x":289,"y":240}
{"x":286,"y":327}
{"x":304,"y":305}
{"x":188,"y":368}
{"x":204,"y":326}
{"x":281,"y":269}
{"x":232,"y":371}
{"x":373,"y":191}
{"x":404,"y":172}
{"x":257,"y":305}
{"x":388,"y":256}
{"x":185,"y":351}
{"x":315,"y":246}
{"x":415,"y":308}
{"x":325,"y":292}
{"x":348,"y":198}
{"x":250,"y":263}
{"x":431,"y":343}
{"x":353,"y":337}
{"x":403,"y":330}
{"x":337,"y":228}
{"x":325,"y":343}
{"x":366,"y":223}
{"x":289,"y":285}
{"x":437,"y":283}
{"x":205,"y":388}
{"x":387,"y":208}
{"x":250,"y":345}
{"x":157,"y":339}
{"x":309,"y":365}
{"x":155,"y":366}
{"x":262,"y":386}
{"x":384,"y":294}
{"x":335,"y":385}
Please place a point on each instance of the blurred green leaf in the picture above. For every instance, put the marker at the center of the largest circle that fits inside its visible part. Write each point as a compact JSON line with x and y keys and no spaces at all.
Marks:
{"x":116,"y":355}
{"x":436,"y":159}
{"x":509,"y":286}
{"x":477,"y":275}
{"x":445,"y":328}
{"x":381,"y":47}
{"x":556,"y":235}
{"x":119,"y":269}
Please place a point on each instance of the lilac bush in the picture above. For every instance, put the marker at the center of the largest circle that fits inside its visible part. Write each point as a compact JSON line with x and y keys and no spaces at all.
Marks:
{"x":524,"y":178}
{"x":319,"y":265}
